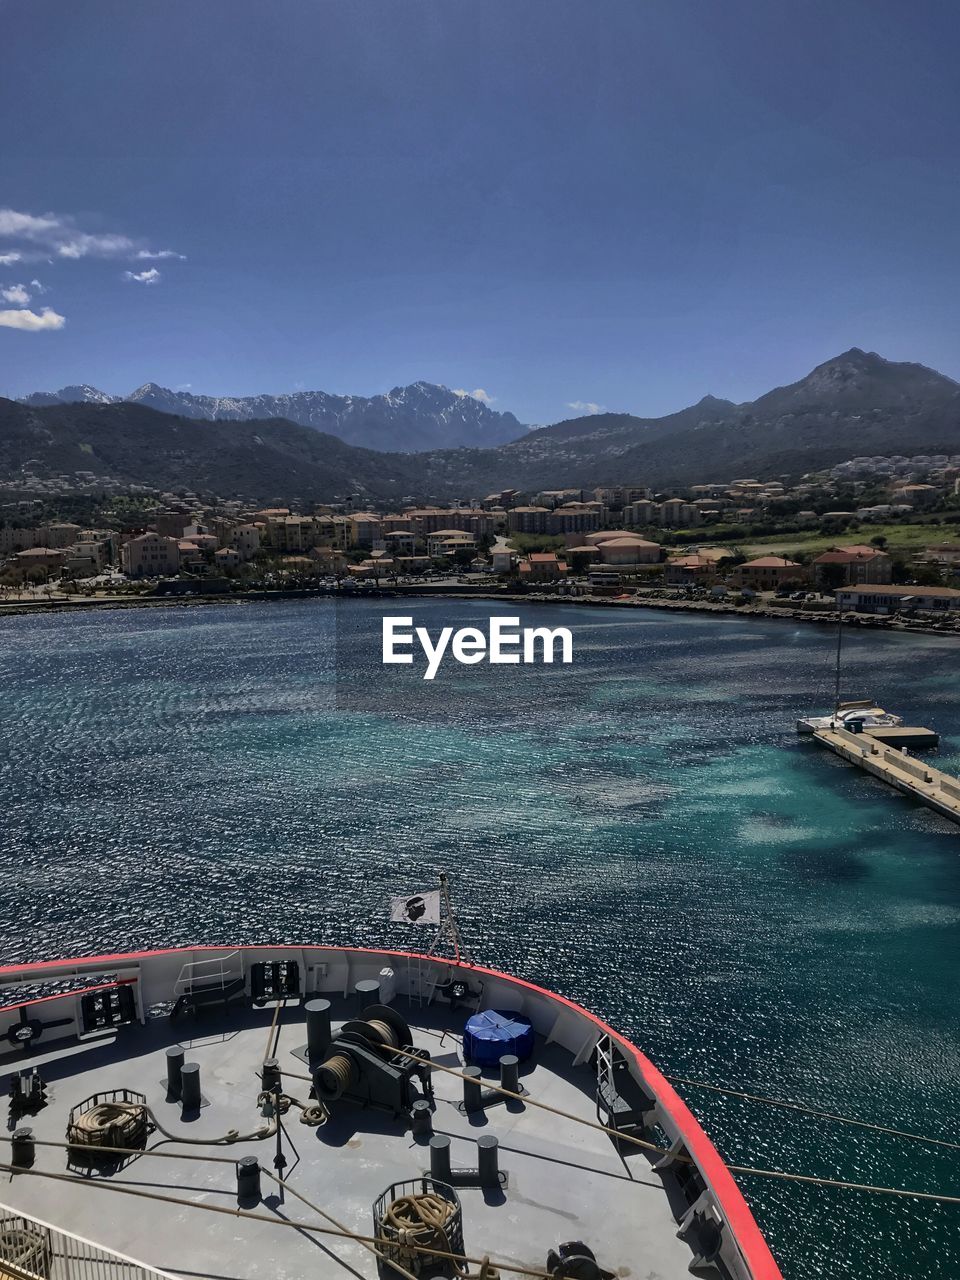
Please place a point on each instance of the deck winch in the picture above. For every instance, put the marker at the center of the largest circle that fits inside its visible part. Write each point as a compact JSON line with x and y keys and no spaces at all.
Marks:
{"x":371,"y":1062}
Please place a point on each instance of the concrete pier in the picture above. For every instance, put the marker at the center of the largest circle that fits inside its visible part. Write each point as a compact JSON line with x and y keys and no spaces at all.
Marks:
{"x":905,"y":735}
{"x":931,"y":786}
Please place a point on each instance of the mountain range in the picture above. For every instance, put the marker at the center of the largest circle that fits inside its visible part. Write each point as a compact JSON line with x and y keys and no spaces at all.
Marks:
{"x":409,"y":419}
{"x":856,"y":403}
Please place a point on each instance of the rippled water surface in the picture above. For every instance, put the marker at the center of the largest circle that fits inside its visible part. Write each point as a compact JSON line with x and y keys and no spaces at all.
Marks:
{"x":641,"y":831}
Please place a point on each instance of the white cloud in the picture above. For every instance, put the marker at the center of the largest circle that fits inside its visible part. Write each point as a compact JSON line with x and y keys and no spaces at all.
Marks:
{"x":8,"y":259}
{"x":58,"y":234}
{"x":37,"y":287}
{"x":478,"y":394}
{"x":586,"y":406}
{"x":31,"y":321}
{"x":17,"y":294}
{"x":151,"y":276}
{"x":27,"y":225}
{"x":149,"y":255}
{"x":81,"y":245}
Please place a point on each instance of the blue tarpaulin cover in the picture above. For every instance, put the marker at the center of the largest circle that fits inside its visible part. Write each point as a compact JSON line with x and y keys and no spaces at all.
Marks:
{"x":494,"y":1032}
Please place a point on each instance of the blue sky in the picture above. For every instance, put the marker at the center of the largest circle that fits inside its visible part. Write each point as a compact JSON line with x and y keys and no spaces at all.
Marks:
{"x":614,"y":203}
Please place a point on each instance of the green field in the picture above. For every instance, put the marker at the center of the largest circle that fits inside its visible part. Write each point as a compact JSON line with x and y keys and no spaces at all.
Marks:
{"x":909,"y":538}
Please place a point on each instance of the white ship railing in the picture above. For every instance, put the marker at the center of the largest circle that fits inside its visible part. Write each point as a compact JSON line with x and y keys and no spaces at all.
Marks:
{"x":31,"y":1249}
{"x":213,"y":973}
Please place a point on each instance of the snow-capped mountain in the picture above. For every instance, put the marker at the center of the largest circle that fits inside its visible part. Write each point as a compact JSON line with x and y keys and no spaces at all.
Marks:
{"x":410,"y":419}
{"x":83,"y":394}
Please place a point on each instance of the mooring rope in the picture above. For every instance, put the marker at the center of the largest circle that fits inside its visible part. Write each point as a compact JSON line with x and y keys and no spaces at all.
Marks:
{"x":812,"y":1111}
{"x":296,"y":1224}
{"x":781,"y":1174}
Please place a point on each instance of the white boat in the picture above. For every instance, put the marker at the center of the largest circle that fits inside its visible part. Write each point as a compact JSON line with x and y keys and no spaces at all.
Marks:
{"x":854,"y":718}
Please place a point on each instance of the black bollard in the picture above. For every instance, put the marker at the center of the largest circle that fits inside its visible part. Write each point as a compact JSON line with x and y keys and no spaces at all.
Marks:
{"x":23,"y":1149}
{"x":174,"y":1067}
{"x":270,"y":1075}
{"x":368,"y":993}
{"x":472,"y":1093}
{"x":510,"y":1072}
{"x":248,"y":1178}
{"x":319,"y":1033}
{"x":422,"y":1118}
{"x":440,"y":1157}
{"x":190,"y":1086}
{"x":488,"y":1160}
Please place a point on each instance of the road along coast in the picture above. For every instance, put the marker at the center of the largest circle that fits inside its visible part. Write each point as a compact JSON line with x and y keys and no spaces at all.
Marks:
{"x":869,"y":622}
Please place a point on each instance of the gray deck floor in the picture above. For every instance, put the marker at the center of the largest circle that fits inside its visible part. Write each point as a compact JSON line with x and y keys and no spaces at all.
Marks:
{"x":564,"y":1181}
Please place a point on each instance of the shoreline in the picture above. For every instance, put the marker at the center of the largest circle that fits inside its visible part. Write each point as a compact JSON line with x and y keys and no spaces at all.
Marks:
{"x":865,"y":622}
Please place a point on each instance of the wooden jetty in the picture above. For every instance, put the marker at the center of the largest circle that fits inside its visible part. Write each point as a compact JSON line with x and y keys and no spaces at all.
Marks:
{"x":893,"y":764}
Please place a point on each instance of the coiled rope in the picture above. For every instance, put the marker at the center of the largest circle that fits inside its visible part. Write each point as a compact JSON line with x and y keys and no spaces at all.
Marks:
{"x":417,"y":1220}
{"x":313,"y":1114}
{"x":116,"y":1124}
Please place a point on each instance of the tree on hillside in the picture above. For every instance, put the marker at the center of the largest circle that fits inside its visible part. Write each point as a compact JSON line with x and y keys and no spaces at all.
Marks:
{"x":927,"y":575}
{"x":831,"y":577}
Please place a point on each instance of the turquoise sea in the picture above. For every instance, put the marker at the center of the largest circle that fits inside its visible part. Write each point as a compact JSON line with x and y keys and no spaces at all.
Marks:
{"x":642,"y":831}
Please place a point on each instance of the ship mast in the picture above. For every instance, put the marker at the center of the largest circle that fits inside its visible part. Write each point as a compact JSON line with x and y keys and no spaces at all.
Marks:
{"x":836,"y":692}
{"x":449,"y":930}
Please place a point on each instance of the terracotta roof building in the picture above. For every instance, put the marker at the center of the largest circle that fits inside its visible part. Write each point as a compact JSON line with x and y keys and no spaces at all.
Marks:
{"x":767,"y":573}
{"x":848,"y":566}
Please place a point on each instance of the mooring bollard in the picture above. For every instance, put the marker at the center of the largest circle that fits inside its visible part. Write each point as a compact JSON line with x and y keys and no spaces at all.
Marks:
{"x":175,"y":1057}
{"x":368,"y":992}
{"x":248,"y":1178}
{"x":23,"y":1148}
{"x":440,"y":1157}
{"x":422,"y":1118}
{"x":488,"y":1160}
{"x":190,"y":1086}
{"x":270,"y":1075}
{"x":510,"y":1072}
{"x":472,"y":1092}
{"x":319,"y":1033}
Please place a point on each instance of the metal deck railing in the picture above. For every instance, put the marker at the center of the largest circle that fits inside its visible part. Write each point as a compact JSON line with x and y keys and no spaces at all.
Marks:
{"x":216,"y":972}
{"x":31,"y":1249}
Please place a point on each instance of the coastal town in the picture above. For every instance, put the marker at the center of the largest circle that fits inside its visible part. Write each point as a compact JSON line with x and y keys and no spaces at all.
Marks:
{"x":875,"y":535}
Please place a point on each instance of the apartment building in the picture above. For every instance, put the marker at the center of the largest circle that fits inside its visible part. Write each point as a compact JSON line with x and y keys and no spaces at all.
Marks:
{"x":575,"y":517}
{"x":399,"y":541}
{"x":447,"y":542}
{"x":472,"y":520}
{"x":13,"y":539}
{"x":245,"y":540}
{"x":48,"y":558}
{"x":767,"y":573}
{"x":363,"y":529}
{"x":675,"y":513}
{"x":851,"y":566}
{"x":529,"y":520}
{"x":150,"y":556}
